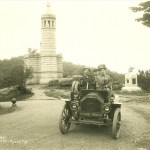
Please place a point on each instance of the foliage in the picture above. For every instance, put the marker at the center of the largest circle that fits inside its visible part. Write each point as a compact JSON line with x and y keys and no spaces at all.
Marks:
{"x":53,"y":82}
{"x":143,"y":7}
{"x":14,"y":73}
{"x":117,"y":77}
{"x":144,"y":79}
{"x":65,"y":82}
{"x":117,"y":85}
{"x":6,"y":94}
{"x":76,"y":77}
{"x":71,"y":69}
{"x":58,"y":92}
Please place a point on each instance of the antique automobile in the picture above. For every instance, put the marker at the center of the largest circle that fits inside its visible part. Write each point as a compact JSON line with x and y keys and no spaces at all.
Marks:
{"x":88,"y":106}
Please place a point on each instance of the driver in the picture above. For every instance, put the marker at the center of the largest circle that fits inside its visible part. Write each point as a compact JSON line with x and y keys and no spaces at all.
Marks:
{"x":87,"y":80}
{"x":103,"y":81}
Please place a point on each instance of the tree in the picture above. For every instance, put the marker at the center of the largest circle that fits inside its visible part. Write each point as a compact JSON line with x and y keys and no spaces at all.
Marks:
{"x":71,"y":69}
{"x":14,"y":73}
{"x":145,"y":8}
{"x":144,"y":79}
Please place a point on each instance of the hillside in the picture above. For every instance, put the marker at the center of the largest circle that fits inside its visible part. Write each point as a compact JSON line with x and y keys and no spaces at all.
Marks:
{"x":74,"y":69}
{"x":69,"y":68}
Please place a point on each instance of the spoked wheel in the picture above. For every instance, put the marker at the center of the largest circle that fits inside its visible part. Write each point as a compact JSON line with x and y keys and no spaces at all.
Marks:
{"x":64,"y":124}
{"x":116,"y":123}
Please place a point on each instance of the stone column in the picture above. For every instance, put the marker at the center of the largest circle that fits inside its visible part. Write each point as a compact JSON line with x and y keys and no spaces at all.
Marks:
{"x":48,"y":47}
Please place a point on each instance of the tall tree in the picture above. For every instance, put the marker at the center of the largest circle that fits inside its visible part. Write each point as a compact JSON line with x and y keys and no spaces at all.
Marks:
{"x":14,"y":73}
{"x":143,"y":7}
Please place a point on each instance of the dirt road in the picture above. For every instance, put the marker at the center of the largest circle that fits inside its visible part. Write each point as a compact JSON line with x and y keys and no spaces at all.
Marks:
{"x":33,"y":125}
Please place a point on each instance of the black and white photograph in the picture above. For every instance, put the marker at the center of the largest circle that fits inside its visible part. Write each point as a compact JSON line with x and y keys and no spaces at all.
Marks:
{"x":74,"y":75}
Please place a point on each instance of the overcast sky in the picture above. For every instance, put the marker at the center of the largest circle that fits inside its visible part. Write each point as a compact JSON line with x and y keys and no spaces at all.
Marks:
{"x":89,"y":32}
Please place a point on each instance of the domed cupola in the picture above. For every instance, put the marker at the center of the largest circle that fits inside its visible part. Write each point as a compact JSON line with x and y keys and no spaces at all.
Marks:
{"x":48,"y":18}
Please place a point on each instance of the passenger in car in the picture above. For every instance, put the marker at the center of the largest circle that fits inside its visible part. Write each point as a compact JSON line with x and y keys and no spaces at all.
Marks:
{"x":103,"y":81}
{"x":95,"y":72}
{"x":87,"y":81}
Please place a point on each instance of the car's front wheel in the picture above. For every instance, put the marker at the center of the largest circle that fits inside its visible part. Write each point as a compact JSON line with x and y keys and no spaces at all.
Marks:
{"x":116,"y":123}
{"x":64,"y":123}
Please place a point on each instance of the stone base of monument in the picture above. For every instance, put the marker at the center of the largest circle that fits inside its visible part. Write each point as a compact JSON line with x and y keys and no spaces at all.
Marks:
{"x":131,"y":89}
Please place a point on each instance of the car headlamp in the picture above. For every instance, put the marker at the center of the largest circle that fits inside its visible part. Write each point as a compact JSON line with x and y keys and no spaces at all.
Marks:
{"x":74,"y":106}
{"x":107,"y":108}
{"x":75,"y":96}
{"x":112,"y":97}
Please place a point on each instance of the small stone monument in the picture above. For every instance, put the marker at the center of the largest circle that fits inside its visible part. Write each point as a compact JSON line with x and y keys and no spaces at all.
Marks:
{"x":131,"y":84}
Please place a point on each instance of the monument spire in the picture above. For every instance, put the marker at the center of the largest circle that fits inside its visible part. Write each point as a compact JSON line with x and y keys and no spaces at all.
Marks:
{"x":48,"y":3}
{"x":48,"y":7}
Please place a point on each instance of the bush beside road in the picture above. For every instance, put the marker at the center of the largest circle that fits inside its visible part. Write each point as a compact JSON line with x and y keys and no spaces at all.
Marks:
{"x":7,"y":94}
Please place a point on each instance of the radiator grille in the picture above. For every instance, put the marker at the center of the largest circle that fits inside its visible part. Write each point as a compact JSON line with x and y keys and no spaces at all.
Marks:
{"x":91,"y":105}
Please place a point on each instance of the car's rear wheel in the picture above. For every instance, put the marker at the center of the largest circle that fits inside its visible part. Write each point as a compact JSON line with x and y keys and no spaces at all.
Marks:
{"x":116,"y":123}
{"x":64,"y":123}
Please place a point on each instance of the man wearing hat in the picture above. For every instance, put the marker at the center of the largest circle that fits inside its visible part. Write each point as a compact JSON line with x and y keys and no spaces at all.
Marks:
{"x":103,"y":81}
{"x":87,"y":80}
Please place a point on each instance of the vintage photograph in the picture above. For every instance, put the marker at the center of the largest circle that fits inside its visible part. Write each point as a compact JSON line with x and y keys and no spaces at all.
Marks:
{"x":74,"y":75}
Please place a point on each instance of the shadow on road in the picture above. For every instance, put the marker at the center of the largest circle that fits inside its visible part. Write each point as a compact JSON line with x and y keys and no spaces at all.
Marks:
{"x":6,"y":110}
{"x":89,"y":130}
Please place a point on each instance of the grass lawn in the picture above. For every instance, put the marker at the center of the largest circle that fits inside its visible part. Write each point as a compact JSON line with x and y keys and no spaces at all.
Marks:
{"x":58,"y":92}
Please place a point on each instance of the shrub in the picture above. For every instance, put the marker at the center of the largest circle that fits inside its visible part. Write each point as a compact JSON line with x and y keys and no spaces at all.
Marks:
{"x":76,"y":77}
{"x":14,"y":73}
{"x":58,"y":93}
{"x":9,"y":93}
{"x":70,"y":69}
{"x":24,"y":89}
{"x":6,"y":94}
{"x":53,"y":82}
{"x":144,"y":79}
{"x":65,"y":82}
{"x":117,"y":87}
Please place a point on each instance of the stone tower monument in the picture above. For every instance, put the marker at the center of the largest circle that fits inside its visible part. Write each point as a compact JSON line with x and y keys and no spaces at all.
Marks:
{"x":48,"y":46}
{"x":49,"y":63}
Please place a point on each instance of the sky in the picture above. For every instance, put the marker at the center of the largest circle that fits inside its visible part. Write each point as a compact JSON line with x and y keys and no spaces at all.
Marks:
{"x":88,"y":32}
